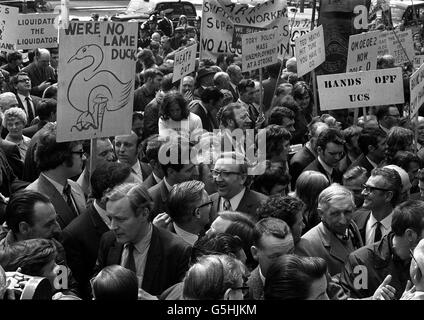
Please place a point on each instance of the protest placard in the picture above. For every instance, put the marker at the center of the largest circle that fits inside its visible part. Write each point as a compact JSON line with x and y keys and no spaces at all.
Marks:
{"x":360,"y":89}
{"x":36,"y":30}
{"x":416,"y":84}
{"x":184,"y":62}
{"x":398,"y":44}
{"x":8,"y":17}
{"x":298,"y":27}
{"x":223,"y":21}
{"x":96,"y":81}
{"x":310,"y":52}
{"x":362,"y":52}
{"x":259,"y":49}
{"x":418,"y":61}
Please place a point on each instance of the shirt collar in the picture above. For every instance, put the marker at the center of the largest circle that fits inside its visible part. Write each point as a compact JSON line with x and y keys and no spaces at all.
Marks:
{"x":57,"y":185}
{"x":235,"y":201}
{"x":168,"y":186}
{"x":261,"y":276}
{"x":386,"y":222}
{"x":188,"y":237}
{"x":22,"y":97}
{"x":157,"y":179}
{"x":384,"y":129}
{"x":327,"y":168}
{"x":309,"y":147}
{"x":137,"y":168}
{"x":102,"y":213}
{"x":372,"y":162}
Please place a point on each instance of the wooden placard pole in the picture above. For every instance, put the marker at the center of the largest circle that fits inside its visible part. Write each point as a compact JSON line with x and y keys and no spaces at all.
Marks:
{"x":261,"y":109}
{"x":416,"y":132}
{"x":364,"y":109}
{"x":355,"y":116}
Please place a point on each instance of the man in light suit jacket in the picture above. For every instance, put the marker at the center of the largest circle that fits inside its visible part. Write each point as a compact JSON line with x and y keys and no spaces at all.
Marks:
{"x":158,"y":257}
{"x":233,"y":195}
{"x":58,"y":162}
{"x":337,"y":235}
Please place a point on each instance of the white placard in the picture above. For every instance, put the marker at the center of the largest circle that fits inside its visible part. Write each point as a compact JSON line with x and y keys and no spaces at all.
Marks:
{"x":362,"y":52}
{"x":310,"y":51}
{"x":96,"y":80}
{"x":259,"y":49}
{"x":8,"y":17}
{"x":360,"y":89}
{"x":416,"y":84}
{"x":397,"y":45}
{"x":184,"y":62}
{"x":36,"y":30}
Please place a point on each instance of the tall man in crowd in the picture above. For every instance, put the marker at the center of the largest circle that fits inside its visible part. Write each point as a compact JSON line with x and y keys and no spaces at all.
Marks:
{"x":27,"y":102}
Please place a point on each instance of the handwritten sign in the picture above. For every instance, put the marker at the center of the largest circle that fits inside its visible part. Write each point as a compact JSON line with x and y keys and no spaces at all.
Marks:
{"x":310,"y":51}
{"x":418,"y":60}
{"x":416,"y":84}
{"x":36,"y":30}
{"x":184,"y":62}
{"x":360,"y":89}
{"x":362,"y":52}
{"x":223,"y":21}
{"x":259,"y":49}
{"x":8,"y":17}
{"x":96,"y":81}
{"x":398,"y":44}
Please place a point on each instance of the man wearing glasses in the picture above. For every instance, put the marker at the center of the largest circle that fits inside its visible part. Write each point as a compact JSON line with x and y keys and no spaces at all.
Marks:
{"x":330,"y":150}
{"x":27,"y":102}
{"x":231,"y":179}
{"x":367,"y":267}
{"x":381,"y":193}
{"x":58,"y":163}
{"x":388,"y":117}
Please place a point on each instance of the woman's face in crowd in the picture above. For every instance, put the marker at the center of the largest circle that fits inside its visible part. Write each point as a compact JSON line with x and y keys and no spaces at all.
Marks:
{"x":175,"y":111}
{"x":304,"y":101}
{"x":15,"y":126}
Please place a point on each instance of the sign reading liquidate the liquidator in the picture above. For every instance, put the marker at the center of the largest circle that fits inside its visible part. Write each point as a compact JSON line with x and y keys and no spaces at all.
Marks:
{"x":398,"y":44}
{"x":36,"y":30}
{"x":310,"y":51}
{"x":360,"y":89}
{"x":8,"y":17}
{"x":184,"y":62}
{"x":259,"y":49}
{"x":362,"y":52}
{"x":416,"y":84}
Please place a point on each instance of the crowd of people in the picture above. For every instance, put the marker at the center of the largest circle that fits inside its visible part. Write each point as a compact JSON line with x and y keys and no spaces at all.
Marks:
{"x":280,"y":204}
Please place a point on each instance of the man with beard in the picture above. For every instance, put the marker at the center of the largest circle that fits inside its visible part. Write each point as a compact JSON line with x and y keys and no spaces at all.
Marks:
{"x":381,"y":193}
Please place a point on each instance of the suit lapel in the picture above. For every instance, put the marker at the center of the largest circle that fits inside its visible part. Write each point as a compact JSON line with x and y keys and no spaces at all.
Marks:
{"x":79,"y":197}
{"x":336,"y":248}
{"x":245,"y":202}
{"x":154,"y":257}
{"x":215,"y":207}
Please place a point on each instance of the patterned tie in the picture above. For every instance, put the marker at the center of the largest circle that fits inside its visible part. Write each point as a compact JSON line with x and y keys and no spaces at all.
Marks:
{"x":129,"y":261}
{"x":67,"y":192}
{"x":29,"y":108}
{"x":227,"y":205}
{"x":378,"y":235}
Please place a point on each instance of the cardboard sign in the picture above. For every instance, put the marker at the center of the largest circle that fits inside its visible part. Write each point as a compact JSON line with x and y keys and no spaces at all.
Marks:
{"x":310,"y":52}
{"x":398,"y":44}
{"x":36,"y":30}
{"x":297,"y":27}
{"x":362,"y":52}
{"x":416,"y":84}
{"x":360,"y":89}
{"x":223,"y":21}
{"x":184,"y":62}
{"x":8,"y":17}
{"x":259,"y":49}
{"x":96,"y":81}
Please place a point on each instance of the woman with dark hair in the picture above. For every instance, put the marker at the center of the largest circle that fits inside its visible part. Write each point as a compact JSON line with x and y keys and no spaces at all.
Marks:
{"x":398,"y":139}
{"x":308,"y":187}
{"x":292,"y":277}
{"x":175,"y":119}
{"x":302,"y":94}
{"x":115,"y":283}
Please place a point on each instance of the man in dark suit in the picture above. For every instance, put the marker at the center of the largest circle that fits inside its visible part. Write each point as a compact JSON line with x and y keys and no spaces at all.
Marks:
{"x":307,"y":154}
{"x":234,"y":71}
{"x":231,"y":178}
{"x":330,"y":146}
{"x":270,"y":84}
{"x":165,"y":24}
{"x":11,"y":151}
{"x":14,"y":62}
{"x":159,"y":258}
{"x":337,"y":235}
{"x":27,"y":102}
{"x":58,"y":162}
{"x":152,"y":157}
{"x":81,"y":238}
{"x":371,"y":141}
{"x":46,"y":110}
{"x":381,"y":195}
{"x":211,"y":98}
{"x":174,"y":172}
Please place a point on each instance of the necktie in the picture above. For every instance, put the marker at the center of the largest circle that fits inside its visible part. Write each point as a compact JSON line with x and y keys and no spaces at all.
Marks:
{"x":129,"y":261}
{"x":69,"y":202}
{"x":227,"y":205}
{"x":377,"y":235}
{"x":29,"y":108}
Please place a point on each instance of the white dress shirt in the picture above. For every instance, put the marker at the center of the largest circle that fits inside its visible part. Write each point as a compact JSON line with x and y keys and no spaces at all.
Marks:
{"x":371,"y":224}
{"x":234,"y":201}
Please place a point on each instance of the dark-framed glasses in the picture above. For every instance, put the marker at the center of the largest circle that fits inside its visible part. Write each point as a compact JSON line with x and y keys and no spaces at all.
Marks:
{"x":368,"y":188}
{"x":223,"y":174}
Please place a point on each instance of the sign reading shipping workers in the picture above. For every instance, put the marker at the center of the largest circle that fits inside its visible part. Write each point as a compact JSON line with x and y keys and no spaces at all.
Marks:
{"x":360,"y":89}
{"x":416,"y":84}
{"x":96,"y":81}
{"x":310,"y":51}
{"x":399,"y":45}
{"x":8,"y":17}
{"x":184,"y":62}
{"x":36,"y":30}
{"x":259,"y":49}
{"x":223,"y":22}
{"x":362,"y":52}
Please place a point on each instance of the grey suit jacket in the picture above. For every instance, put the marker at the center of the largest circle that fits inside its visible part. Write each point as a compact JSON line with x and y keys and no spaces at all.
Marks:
{"x":64,"y":213}
{"x":321,"y":242}
{"x":256,"y":287}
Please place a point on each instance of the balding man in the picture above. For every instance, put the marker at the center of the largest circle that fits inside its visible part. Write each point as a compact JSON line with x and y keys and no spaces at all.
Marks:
{"x":337,"y":235}
{"x":40,"y":72}
{"x":221,"y":80}
{"x":234,"y":71}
